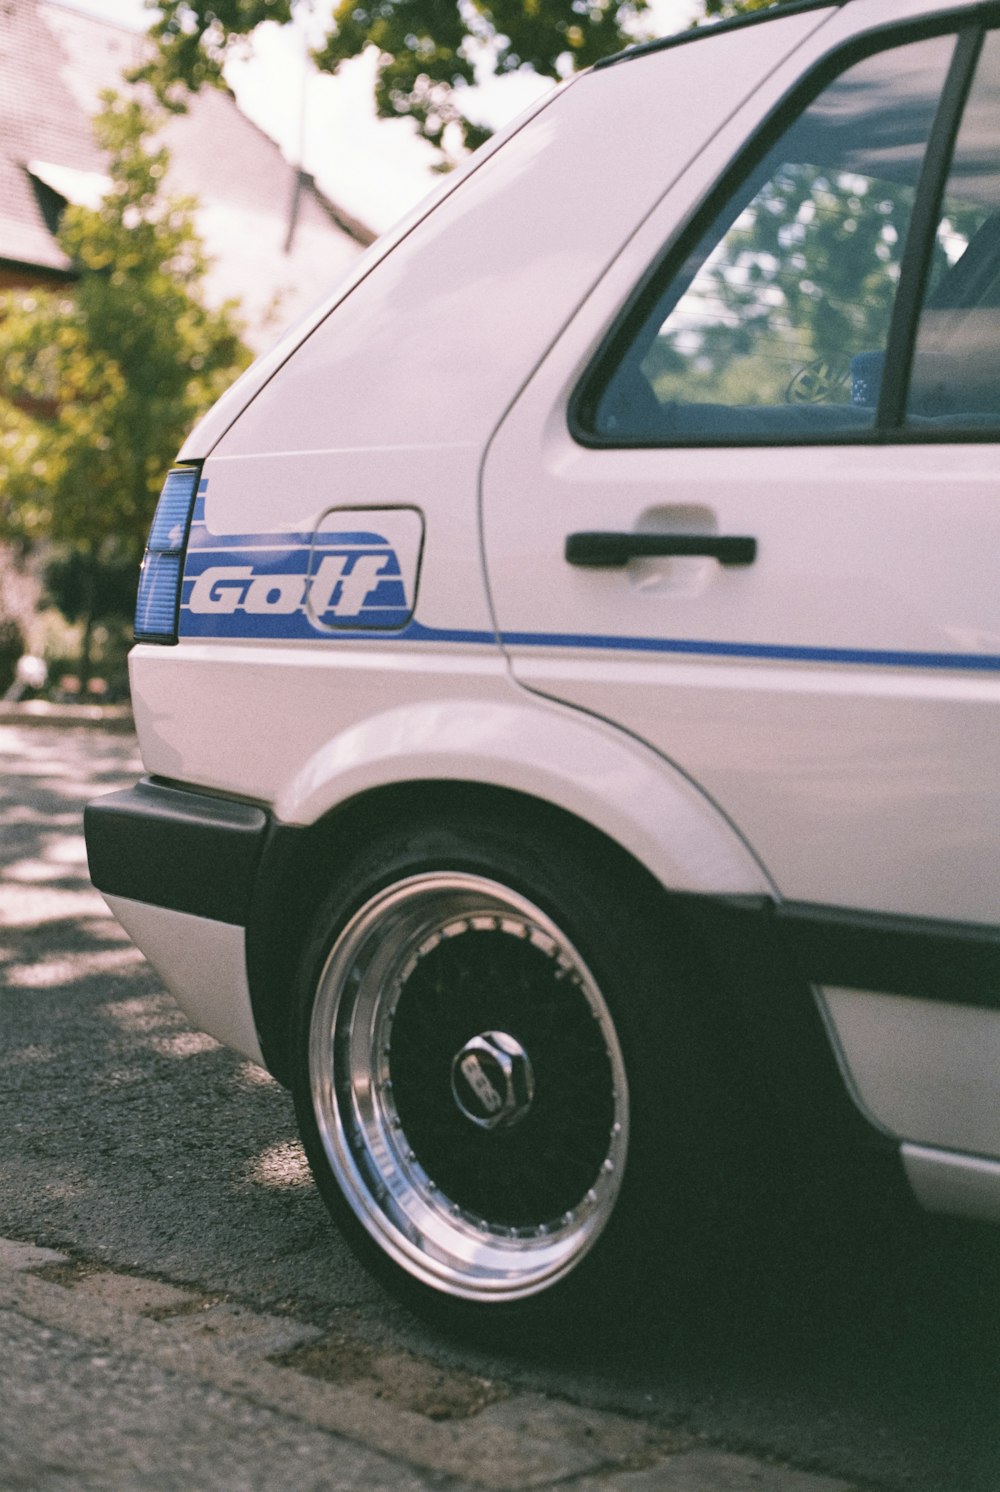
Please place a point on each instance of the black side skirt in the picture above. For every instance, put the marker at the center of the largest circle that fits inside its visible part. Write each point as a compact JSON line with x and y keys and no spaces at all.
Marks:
{"x":952,"y":962}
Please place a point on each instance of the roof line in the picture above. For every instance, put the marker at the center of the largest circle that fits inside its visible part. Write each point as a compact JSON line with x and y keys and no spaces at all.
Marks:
{"x":352,"y":226}
{"x":89,"y":15}
{"x":101,"y":20}
{"x":37,"y":272}
{"x":711,"y":28}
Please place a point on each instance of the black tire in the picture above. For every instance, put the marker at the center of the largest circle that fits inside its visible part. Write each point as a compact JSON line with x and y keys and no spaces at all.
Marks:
{"x":500,"y":1069}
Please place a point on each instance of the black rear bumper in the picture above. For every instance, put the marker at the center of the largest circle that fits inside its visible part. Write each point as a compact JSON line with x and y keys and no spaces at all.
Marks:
{"x":186,"y":851}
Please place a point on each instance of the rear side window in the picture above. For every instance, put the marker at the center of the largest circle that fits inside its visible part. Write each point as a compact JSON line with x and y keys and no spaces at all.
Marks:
{"x":777,"y":326}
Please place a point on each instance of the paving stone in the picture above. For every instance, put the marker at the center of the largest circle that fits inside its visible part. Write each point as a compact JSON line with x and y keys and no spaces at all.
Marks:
{"x":233,"y":1326}
{"x":395,"y":1376}
{"x":81,"y":1418}
{"x":141,"y":1297}
{"x":565,"y":1440}
{"x":525,"y":1442}
{"x":713,"y":1471}
{"x":16,"y":1256}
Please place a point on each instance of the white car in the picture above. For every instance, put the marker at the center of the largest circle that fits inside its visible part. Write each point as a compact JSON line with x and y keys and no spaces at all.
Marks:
{"x":568,"y":667}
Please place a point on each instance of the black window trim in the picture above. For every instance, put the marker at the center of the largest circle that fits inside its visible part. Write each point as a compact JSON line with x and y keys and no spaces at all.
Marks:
{"x":969,"y":28}
{"x":918,"y":250}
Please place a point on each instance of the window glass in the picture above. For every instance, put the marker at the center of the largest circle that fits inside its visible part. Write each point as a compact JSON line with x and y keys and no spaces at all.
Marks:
{"x":775,"y":327}
{"x":955,"y":378}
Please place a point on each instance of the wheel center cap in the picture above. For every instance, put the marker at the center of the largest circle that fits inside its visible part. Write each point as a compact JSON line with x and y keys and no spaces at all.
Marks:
{"x":492,"y":1081}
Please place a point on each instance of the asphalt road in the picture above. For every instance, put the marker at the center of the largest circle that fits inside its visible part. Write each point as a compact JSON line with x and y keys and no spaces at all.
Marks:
{"x":862,"y":1347}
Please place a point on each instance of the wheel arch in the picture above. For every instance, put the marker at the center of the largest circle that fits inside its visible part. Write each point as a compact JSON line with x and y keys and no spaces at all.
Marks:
{"x":763,"y":1013}
{"x":295,"y":871}
{"x":523,"y":756}
{"x":540,"y":751}
{"x":603,"y":794}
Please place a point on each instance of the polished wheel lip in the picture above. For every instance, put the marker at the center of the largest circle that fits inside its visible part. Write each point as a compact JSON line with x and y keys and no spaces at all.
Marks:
{"x":423,"y":1231}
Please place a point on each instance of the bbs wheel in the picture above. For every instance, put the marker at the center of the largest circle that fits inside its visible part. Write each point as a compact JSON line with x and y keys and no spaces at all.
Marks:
{"x":462,"y":1080}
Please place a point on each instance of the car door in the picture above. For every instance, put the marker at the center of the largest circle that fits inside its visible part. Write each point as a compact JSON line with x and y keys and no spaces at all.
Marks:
{"x":749,"y":511}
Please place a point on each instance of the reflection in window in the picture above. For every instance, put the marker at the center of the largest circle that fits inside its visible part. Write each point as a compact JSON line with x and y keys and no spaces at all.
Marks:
{"x":802,"y":281}
{"x":777,"y":324}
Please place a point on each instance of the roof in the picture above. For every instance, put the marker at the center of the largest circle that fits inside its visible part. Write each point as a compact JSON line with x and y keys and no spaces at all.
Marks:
{"x":39,"y":120}
{"x":772,"y":11}
{"x":54,"y":64}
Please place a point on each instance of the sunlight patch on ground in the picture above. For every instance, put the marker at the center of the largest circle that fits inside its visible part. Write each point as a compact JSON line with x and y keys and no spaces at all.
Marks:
{"x":52,"y":972}
{"x":19,"y":814}
{"x":121,"y":1077}
{"x":59,"y":853}
{"x":29,"y":872}
{"x":26,"y":1055}
{"x":282,"y":1166}
{"x":64,"y":1190}
{"x":257,"y":1076}
{"x":147,"y":1015}
{"x":104,"y":928}
{"x":67,"y":849}
{"x":22,"y":906}
{"x":185,"y":1044}
{"x":24,"y":768}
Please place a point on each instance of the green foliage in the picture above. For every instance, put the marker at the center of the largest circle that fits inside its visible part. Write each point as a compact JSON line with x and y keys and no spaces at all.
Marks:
{"x":11,"y":648}
{"x":429,"y":50}
{"x":724,"y":10}
{"x":101,"y":381}
{"x":194,"y":37}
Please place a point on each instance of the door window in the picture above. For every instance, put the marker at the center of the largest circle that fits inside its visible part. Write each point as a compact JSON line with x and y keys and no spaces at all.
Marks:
{"x":777,"y":325}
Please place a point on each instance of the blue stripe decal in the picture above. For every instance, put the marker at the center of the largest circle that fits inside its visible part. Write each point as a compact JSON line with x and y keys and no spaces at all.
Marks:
{"x":297,"y":628}
{"x":677,"y":646}
{"x":882,"y":658}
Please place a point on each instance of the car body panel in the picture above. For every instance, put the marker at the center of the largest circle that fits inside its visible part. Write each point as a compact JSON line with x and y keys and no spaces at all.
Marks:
{"x":203,"y":964}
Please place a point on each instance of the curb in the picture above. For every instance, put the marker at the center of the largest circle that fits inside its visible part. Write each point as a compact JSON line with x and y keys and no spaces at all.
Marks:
{"x":40,"y":712}
{"x":514,"y":1442}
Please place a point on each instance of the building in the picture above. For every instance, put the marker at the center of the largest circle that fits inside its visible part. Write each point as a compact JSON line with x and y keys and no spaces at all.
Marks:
{"x":276,"y":242}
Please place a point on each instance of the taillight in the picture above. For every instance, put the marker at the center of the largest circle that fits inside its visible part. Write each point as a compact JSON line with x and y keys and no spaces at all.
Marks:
{"x":158,"y":603}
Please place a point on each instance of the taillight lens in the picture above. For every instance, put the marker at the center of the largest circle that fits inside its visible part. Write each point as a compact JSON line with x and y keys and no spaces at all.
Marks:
{"x":158,"y":602}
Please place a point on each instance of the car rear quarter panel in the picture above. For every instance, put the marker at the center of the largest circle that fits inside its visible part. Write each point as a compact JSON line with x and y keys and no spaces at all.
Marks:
{"x":392,"y":401}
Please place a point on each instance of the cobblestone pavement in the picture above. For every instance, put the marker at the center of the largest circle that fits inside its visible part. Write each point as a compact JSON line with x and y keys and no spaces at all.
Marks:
{"x":116,"y":1380}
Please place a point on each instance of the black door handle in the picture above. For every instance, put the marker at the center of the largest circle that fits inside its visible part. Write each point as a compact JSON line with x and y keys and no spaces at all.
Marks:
{"x":609,"y":551}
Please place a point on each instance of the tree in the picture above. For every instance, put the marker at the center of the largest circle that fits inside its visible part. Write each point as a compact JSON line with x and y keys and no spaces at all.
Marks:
{"x":101,"y":381}
{"x":428,"y":50}
{"x":725,"y":10}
